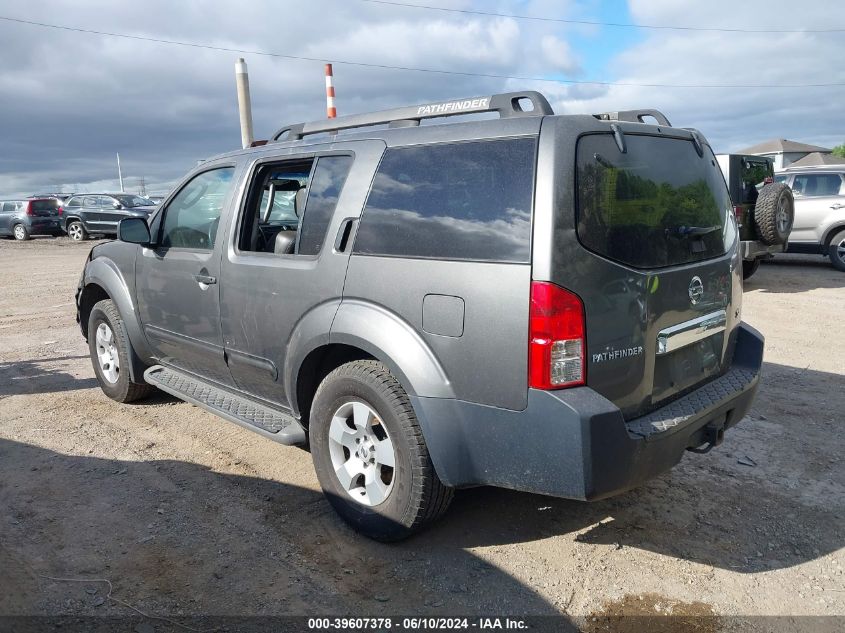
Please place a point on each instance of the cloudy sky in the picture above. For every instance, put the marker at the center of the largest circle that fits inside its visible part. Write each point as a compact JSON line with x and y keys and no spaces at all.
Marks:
{"x":70,"y":100}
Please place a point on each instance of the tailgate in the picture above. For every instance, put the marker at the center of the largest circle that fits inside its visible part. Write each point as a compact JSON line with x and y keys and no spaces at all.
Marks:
{"x":654,"y":259}
{"x":647,"y":342}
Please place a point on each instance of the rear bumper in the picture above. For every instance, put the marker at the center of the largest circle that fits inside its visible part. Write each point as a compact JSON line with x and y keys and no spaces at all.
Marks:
{"x":753,"y":249}
{"x":575,"y":443}
{"x":44,"y":225}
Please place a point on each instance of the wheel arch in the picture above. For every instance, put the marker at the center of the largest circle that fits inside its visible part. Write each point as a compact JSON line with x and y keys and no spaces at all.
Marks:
{"x":318,"y":364}
{"x":361,"y":330}
{"x":72,"y":218}
{"x":833,"y":230}
{"x":103,"y":280}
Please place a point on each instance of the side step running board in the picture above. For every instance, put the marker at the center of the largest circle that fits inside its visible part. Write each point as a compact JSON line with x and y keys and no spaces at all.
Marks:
{"x":271,"y":423}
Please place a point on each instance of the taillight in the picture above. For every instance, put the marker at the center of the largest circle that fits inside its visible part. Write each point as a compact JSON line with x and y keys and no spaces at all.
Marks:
{"x":556,"y":338}
{"x":29,"y":209}
{"x":738,"y":214}
{"x":60,"y":210}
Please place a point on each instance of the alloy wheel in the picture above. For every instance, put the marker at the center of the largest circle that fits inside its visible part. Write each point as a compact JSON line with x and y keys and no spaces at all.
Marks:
{"x":362,"y":453}
{"x":75,"y":231}
{"x":107,"y":354}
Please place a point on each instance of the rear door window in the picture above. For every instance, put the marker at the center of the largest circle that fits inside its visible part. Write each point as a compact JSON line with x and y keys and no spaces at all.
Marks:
{"x":817,"y":184}
{"x":467,"y":200}
{"x":323,"y":193}
{"x":658,"y":204}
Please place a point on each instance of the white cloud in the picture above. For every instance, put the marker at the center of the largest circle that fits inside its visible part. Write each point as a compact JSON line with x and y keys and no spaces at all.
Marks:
{"x":732,"y":118}
{"x":69,"y":101}
{"x":559,"y":55}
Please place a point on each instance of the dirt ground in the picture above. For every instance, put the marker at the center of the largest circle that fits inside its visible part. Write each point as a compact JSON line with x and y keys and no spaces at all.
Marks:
{"x":185,"y":513}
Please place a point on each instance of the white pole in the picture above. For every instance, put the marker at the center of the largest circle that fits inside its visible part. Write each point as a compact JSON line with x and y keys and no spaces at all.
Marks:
{"x":244,"y":102}
{"x":119,"y":173}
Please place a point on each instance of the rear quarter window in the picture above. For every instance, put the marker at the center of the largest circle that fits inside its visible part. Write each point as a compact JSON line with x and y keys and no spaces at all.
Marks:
{"x":658,"y":204}
{"x":467,"y":201}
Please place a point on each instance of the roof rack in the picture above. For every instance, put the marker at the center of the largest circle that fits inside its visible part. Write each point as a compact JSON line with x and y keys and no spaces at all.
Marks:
{"x":508,"y":105}
{"x":634,"y":116}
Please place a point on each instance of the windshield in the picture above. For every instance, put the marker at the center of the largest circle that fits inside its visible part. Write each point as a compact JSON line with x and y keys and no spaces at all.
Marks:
{"x":135,"y":201}
{"x":658,"y":204}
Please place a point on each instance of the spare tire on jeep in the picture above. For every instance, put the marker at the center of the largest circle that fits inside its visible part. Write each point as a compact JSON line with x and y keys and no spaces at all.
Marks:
{"x":774,"y":213}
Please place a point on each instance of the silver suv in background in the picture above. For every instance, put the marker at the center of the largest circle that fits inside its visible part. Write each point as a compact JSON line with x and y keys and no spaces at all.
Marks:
{"x":819,"y":225}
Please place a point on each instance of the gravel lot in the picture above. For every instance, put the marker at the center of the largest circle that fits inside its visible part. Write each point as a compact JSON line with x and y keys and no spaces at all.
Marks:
{"x":185,"y":513}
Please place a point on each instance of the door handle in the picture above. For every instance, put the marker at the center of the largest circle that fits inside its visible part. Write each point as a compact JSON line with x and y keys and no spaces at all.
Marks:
{"x":205,"y":279}
{"x":341,"y":242}
{"x":837,"y":206}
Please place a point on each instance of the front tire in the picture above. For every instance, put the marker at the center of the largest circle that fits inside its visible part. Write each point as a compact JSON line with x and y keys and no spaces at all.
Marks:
{"x":370,"y":456}
{"x":20,"y":232}
{"x":76,"y":231}
{"x":110,"y":354}
{"x":836,"y":251}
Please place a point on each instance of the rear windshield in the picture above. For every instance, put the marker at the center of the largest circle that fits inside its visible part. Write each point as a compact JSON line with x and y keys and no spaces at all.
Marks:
{"x":44,"y":205}
{"x":659,"y":204}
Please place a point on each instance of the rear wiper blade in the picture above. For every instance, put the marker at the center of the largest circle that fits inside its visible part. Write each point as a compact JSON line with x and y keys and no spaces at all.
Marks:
{"x":695,"y":231}
{"x":601,"y":160}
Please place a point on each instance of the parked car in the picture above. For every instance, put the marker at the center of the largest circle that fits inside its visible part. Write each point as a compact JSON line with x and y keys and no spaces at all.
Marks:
{"x":543,"y":303}
{"x":819,"y":211}
{"x":24,"y":217}
{"x":764,"y":209}
{"x":156,"y":199}
{"x":100,"y":212}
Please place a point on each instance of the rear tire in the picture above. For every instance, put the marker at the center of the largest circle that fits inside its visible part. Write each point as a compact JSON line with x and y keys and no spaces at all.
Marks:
{"x":361,"y":421}
{"x":76,"y":231}
{"x":110,"y":351}
{"x":20,"y":232}
{"x":836,"y":251}
{"x":749,"y":268}
{"x":774,"y":214}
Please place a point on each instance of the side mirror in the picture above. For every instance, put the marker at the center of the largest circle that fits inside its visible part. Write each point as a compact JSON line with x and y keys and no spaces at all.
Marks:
{"x":134,"y":231}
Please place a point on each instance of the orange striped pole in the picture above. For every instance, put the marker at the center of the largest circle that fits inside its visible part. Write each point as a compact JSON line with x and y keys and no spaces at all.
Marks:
{"x":331,"y":111}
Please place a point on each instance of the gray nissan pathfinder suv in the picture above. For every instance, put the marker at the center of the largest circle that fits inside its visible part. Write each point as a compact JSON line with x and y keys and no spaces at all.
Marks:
{"x":544,"y":303}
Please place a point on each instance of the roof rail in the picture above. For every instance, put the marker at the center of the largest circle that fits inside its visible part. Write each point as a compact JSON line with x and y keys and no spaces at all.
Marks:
{"x":634,"y":116}
{"x":508,"y":105}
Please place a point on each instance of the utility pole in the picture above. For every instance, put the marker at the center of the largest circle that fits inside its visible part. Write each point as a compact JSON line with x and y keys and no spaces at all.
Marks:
{"x":244,"y":102}
{"x":119,"y":173}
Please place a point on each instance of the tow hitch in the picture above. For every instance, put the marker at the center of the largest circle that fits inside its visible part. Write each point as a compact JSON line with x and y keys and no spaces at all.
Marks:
{"x":714,"y":434}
